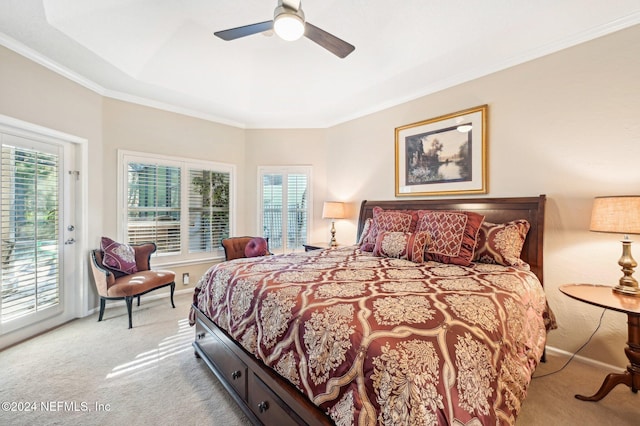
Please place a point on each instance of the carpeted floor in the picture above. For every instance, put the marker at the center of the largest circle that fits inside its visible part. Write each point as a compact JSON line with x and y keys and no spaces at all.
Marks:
{"x":90,"y":373}
{"x":550,"y":400}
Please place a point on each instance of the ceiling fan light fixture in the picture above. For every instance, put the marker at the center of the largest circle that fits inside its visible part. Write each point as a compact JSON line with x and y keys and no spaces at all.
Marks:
{"x":288,"y":24}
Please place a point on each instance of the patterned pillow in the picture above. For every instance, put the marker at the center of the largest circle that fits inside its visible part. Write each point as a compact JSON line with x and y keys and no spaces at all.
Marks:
{"x":502,"y":243}
{"x":389,"y":220}
{"x":365,"y":230}
{"x":453,"y":235}
{"x":402,"y":245}
{"x":119,"y":257}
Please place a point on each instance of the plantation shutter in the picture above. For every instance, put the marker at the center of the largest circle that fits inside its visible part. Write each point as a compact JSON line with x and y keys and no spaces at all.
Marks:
{"x":208,"y":209}
{"x":30,"y":228}
{"x":285,"y":207}
{"x":272,"y":202}
{"x":153,"y":206}
{"x":297,"y":212}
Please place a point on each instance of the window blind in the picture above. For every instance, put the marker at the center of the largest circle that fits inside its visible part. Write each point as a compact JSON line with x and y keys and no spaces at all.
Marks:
{"x":30,"y":229}
{"x":285,"y":208}
{"x":153,"y":206}
{"x":272,"y":210}
{"x":183,"y":205}
{"x":297,"y":210}
{"x":208,"y":209}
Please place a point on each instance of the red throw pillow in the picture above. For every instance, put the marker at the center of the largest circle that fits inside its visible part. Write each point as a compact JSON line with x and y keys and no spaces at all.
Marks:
{"x":256,"y":247}
{"x":453,"y":235}
{"x":389,"y":220}
{"x":117,"y":256}
{"x":502,"y":243}
{"x":402,"y":245}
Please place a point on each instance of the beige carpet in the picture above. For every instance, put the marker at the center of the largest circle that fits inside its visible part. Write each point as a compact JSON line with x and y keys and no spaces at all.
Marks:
{"x":90,"y":373}
{"x":551,"y":399}
{"x":144,"y":376}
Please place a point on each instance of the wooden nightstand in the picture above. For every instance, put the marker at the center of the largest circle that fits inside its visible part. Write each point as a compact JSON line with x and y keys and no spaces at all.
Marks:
{"x":604,"y":297}
{"x":315,"y":246}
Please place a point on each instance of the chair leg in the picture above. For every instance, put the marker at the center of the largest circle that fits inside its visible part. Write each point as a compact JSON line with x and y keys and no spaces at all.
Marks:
{"x":129,"y":300}
{"x":173,"y":288}
{"x":102,"y":303}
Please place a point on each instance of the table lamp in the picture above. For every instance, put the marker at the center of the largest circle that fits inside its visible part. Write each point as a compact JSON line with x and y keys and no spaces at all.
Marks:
{"x":333,"y":210}
{"x":620,"y":215}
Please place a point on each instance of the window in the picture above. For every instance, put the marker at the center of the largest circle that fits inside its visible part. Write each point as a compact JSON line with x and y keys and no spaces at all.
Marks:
{"x":153,"y":205}
{"x":30,"y":205}
{"x":182,"y":205}
{"x":285,"y":206}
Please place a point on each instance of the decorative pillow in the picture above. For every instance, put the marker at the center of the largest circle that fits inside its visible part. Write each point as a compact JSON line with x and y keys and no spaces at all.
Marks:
{"x":389,"y":220}
{"x":256,"y":247}
{"x":117,"y":256}
{"x":453,"y":235}
{"x":365,"y":230}
{"x":402,"y":245}
{"x":502,"y":243}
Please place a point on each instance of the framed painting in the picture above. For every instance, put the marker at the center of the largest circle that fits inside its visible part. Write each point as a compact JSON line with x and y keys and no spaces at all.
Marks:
{"x":443,"y":155}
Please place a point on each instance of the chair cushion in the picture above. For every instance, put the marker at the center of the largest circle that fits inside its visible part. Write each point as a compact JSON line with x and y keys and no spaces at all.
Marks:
{"x":140,"y":282}
{"x":117,"y":256}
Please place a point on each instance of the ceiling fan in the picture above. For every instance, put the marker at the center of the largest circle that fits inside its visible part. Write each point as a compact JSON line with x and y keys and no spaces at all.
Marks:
{"x":289,"y":24}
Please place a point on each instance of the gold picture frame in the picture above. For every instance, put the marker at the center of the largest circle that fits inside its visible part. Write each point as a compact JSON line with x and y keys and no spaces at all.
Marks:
{"x":444,"y":155}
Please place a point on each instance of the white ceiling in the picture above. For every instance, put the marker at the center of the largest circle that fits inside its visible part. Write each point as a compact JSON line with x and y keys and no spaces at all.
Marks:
{"x":163,"y":53}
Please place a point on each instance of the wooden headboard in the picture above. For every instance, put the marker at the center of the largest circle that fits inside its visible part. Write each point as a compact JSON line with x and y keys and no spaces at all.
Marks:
{"x":496,"y":210}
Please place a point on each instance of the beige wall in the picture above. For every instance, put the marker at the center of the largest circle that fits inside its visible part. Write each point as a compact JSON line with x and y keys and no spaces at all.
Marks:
{"x":31,"y":93}
{"x":303,"y":147}
{"x":565,"y":125}
{"x":138,"y":128}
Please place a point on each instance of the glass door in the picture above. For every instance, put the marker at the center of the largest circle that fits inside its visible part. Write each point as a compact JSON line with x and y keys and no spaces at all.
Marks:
{"x":33,"y":245}
{"x":285,"y":206}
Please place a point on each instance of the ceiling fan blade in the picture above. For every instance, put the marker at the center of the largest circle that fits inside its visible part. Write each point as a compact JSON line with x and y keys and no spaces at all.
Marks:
{"x":247,"y":30}
{"x":330,"y":42}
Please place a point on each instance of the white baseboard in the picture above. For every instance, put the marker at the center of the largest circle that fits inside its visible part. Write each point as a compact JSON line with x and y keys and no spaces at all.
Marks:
{"x":584,"y":360}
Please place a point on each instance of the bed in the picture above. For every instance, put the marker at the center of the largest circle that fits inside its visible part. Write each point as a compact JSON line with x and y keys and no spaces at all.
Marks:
{"x":397,"y":329}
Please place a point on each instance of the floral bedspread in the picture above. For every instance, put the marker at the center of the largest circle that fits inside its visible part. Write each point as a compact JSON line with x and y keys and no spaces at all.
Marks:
{"x":374,"y":340}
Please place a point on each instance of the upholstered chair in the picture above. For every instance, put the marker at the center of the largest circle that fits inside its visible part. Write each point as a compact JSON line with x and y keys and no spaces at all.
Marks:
{"x":239,"y":247}
{"x":115,"y":285}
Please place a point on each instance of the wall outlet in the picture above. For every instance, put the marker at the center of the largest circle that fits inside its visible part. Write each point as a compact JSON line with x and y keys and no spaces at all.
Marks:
{"x":185,"y":278}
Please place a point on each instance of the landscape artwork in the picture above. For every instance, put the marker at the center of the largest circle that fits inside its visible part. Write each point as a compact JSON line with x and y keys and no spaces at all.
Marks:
{"x":443,"y":155}
{"x":439,"y":156}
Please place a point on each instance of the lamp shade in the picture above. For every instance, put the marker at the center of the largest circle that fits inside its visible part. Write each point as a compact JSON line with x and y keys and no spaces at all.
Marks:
{"x":333,"y":210}
{"x":617,"y":214}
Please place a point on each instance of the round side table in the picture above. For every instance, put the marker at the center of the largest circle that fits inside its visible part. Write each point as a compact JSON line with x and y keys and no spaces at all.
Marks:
{"x":604,"y":297}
